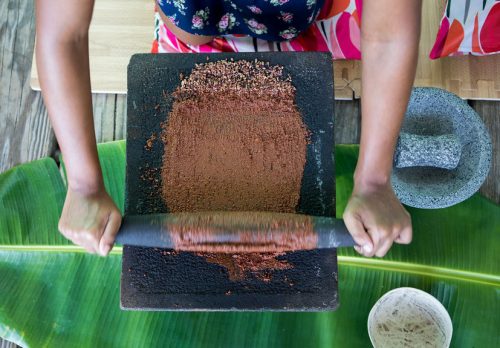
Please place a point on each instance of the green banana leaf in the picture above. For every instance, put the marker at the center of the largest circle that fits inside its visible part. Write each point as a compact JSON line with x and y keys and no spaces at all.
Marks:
{"x":54,"y":294}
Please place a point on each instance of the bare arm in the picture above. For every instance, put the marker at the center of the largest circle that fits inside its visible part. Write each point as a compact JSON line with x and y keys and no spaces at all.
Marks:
{"x":63,"y":67}
{"x":390,"y":36}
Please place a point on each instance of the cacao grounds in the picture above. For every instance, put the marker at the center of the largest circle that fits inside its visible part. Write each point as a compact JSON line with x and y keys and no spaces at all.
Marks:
{"x":150,"y":141}
{"x":235,"y":141}
{"x":240,"y":265}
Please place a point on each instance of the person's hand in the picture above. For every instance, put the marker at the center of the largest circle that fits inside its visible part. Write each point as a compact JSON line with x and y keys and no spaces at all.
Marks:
{"x":375,"y":218}
{"x":90,"y":220}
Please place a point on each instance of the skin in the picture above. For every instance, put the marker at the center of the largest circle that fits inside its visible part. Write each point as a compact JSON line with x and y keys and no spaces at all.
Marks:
{"x":89,"y":217}
{"x":389,"y":40}
{"x":374,"y":216}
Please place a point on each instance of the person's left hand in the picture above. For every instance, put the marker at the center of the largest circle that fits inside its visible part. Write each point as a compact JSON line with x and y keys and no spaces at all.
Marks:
{"x":375,"y":218}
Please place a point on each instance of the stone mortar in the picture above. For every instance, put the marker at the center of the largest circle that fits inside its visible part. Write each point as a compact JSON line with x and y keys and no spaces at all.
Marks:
{"x":434,"y":112}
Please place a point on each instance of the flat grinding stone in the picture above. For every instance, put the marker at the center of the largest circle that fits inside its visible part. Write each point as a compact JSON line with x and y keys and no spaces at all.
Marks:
{"x":434,"y":112}
{"x":184,"y":281}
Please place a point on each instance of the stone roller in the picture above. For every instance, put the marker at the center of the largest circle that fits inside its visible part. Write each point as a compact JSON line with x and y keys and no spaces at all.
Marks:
{"x":233,"y":232}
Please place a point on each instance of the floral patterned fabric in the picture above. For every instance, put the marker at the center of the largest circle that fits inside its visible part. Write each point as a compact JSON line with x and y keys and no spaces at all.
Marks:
{"x":336,"y":29}
{"x":468,"y":27}
{"x":273,"y":20}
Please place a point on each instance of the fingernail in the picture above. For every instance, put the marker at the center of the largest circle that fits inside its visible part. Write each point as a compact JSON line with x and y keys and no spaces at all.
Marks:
{"x":357,"y":248}
{"x":367,"y":248}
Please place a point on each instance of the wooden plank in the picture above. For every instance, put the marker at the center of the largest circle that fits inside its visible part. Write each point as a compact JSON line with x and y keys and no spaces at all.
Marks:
{"x":7,"y":344}
{"x":347,"y":121}
{"x":25,"y":131}
{"x":118,"y":30}
{"x":109,"y":116}
{"x":347,"y":79}
{"x":120,"y":117}
{"x":490,"y":113}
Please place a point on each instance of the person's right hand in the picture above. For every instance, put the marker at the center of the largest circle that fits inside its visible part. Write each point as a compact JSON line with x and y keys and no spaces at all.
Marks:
{"x":90,"y":220}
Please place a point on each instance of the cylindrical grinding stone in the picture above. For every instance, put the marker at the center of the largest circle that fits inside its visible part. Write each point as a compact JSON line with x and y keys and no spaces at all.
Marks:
{"x":441,"y":151}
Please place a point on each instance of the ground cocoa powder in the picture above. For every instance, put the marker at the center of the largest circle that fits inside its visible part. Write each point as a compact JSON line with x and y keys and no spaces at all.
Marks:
{"x":235,"y":141}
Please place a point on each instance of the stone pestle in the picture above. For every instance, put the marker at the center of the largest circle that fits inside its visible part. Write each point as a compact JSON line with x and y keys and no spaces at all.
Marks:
{"x":441,"y":151}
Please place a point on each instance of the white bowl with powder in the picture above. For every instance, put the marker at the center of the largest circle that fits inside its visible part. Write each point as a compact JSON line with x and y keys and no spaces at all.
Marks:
{"x":409,"y":317}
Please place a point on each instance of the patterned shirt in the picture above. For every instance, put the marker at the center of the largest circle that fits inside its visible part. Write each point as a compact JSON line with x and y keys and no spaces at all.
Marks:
{"x":271,"y":20}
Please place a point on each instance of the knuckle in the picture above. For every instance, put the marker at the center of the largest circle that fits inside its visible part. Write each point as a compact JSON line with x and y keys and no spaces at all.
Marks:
{"x":369,"y":253}
{"x":397,"y":227}
{"x":86,"y":245}
{"x":385,"y":233}
{"x":92,"y":234}
{"x":91,"y":237}
{"x":83,"y":235}
{"x":87,"y":239}
{"x":398,"y":232}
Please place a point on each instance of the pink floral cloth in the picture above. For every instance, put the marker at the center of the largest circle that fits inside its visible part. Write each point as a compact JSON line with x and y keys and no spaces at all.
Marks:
{"x":468,"y":27}
{"x":337,"y":29}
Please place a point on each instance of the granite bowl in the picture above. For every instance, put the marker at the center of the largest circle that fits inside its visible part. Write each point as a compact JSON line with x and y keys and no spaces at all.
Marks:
{"x":437,"y":112}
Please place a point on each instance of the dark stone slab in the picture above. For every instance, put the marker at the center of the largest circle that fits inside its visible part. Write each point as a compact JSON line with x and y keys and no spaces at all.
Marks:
{"x":184,"y":281}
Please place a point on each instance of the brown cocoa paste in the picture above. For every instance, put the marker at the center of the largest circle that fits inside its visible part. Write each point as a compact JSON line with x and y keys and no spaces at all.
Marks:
{"x":232,"y":232}
{"x":234,"y":140}
{"x":239,"y":265}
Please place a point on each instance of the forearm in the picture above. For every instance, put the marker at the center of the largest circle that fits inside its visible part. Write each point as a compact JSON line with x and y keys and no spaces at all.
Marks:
{"x":63,"y":67}
{"x":64,"y":78}
{"x":389,"y":61}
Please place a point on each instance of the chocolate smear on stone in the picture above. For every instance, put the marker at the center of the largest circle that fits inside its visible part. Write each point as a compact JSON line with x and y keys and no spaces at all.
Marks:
{"x":232,"y":232}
